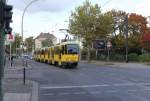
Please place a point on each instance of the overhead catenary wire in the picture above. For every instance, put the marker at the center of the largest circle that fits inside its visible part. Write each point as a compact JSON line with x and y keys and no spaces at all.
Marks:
{"x":106,"y":3}
{"x":141,"y":7}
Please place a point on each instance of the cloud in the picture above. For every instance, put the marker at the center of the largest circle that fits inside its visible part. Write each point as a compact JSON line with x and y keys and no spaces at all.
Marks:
{"x":44,"y":5}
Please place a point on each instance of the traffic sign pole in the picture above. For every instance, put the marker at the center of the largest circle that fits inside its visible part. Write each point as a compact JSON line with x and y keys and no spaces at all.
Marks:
{"x":108,"y":54}
{"x":109,"y":45}
{"x":10,"y":56}
{"x":10,"y":38}
{"x":96,"y":54}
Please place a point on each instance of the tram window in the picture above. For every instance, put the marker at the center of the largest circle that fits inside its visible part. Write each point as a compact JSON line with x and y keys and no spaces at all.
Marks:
{"x":42,"y":52}
{"x":56,"y":51}
{"x":48,"y":52}
{"x":72,"y":49}
{"x":65,"y":50}
{"x":62,"y":50}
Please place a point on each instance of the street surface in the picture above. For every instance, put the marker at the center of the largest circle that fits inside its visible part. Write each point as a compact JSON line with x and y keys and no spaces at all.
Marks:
{"x":91,"y":82}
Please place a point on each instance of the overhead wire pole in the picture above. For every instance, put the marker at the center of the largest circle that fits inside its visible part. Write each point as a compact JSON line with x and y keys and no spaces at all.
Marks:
{"x":2,"y":40}
{"x":22,"y":21}
{"x":126,"y":37}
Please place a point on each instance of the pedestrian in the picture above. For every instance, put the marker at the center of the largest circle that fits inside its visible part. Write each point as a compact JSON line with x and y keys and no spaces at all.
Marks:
{"x":12,"y":60}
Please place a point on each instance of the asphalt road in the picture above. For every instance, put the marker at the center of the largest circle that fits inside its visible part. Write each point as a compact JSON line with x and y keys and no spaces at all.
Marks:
{"x":91,"y":82}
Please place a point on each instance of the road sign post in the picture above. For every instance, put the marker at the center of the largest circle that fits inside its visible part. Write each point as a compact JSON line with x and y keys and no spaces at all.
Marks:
{"x":10,"y":38}
{"x":98,"y":45}
{"x":109,"y":45}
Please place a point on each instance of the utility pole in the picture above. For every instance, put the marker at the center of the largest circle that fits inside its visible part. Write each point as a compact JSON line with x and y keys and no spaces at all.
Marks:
{"x":126,"y":36}
{"x":5,"y":20}
{"x":1,"y":49}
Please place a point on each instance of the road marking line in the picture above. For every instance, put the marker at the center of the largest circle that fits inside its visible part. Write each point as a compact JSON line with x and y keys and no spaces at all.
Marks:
{"x":132,"y":90}
{"x":49,"y":94}
{"x":112,"y":91}
{"x":79,"y":93}
{"x":143,"y":84}
{"x":64,"y":93}
{"x":67,"y":87}
{"x":124,"y":84}
{"x":92,"y":86}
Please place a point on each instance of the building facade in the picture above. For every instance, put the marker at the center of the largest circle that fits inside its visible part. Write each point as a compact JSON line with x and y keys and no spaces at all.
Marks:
{"x":42,"y":37}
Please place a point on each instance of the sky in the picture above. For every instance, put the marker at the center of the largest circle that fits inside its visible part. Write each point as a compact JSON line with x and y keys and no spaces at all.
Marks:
{"x":52,"y":15}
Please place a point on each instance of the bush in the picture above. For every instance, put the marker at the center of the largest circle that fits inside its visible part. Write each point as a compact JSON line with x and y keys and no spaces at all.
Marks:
{"x":133,"y":57}
{"x":102,"y":57}
{"x":84,"y":54}
{"x":144,"y":58}
{"x":117,"y":57}
{"x":93,"y":54}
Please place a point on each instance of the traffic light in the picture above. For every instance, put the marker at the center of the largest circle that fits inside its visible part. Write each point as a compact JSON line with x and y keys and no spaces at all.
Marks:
{"x":6,"y":17}
{"x":1,"y":13}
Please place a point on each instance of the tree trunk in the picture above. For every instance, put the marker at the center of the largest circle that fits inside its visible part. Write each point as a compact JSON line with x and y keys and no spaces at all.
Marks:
{"x":89,"y":54}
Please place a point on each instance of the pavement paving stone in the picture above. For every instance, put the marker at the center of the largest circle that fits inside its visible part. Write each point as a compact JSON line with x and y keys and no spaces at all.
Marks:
{"x":13,"y":87}
{"x":14,"y":90}
{"x":17,"y":96}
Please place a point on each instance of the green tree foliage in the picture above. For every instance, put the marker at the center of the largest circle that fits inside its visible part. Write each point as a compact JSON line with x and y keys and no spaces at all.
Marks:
{"x":89,"y":23}
{"x":47,"y":42}
{"x":118,"y":21}
{"x":17,"y":43}
{"x":104,"y":28}
{"x":29,"y":43}
{"x":118,"y":38}
{"x":137,"y":27}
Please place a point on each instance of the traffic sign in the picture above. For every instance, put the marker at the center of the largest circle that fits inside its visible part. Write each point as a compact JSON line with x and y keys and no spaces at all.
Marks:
{"x":99,"y":44}
{"x":109,"y":45}
{"x":10,"y":38}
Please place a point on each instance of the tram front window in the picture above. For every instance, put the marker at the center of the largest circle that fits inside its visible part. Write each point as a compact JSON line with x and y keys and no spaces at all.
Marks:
{"x":72,"y":48}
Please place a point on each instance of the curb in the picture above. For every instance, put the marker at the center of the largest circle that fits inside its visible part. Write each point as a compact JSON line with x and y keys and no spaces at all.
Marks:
{"x":35,"y":92}
{"x":99,"y":63}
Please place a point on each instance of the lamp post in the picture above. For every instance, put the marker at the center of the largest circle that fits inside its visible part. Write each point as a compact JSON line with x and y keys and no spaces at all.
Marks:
{"x":22,"y":34}
{"x":23,"y":19}
{"x":126,"y":36}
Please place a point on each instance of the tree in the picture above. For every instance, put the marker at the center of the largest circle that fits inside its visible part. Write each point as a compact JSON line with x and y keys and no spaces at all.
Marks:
{"x":88,"y":23}
{"x":15,"y":45}
{"x":118,"y":24}
{"x":118,"y":21}
{"x":29,"y":43}
{"x":47,"y":42}
{"x":137,"y":27}
{"x":137,"y":24}
{"x":145,"y":41}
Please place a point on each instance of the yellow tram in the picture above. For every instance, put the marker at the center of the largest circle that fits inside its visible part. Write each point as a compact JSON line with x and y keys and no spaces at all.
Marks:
{"x":65,"y":54}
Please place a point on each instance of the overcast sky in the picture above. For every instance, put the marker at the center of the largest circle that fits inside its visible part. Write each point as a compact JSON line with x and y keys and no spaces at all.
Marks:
{"x":52,"y":15}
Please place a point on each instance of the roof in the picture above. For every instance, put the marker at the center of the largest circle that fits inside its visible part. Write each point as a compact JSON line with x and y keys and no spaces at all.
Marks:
{"x":45,"y":35}
{"x":69,"y":42}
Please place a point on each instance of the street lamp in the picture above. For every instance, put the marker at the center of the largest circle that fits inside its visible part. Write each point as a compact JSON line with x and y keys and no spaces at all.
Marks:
{"x":22,"y":35}
{"x":23,"y":19}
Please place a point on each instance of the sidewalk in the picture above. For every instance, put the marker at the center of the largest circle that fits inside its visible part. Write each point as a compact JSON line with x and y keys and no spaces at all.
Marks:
{"x":97,"y":62}
{"x":118,"y":64}
{"x":13,"y":87}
